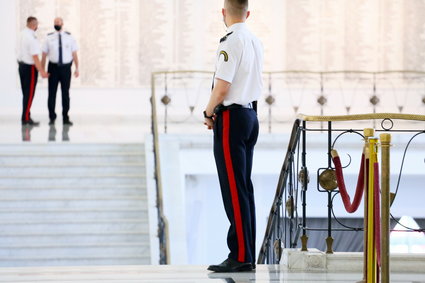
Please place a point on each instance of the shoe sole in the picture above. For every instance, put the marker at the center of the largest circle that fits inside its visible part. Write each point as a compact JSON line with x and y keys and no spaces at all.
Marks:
{"x":243,"y":268}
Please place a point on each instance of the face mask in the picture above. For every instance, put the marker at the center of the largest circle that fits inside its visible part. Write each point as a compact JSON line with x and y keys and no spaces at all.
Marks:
{"x":57,"y":27}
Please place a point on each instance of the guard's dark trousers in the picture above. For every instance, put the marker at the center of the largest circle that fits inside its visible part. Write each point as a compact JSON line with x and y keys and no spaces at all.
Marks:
{"x":59,"y":74}
{"x":235,"y":134}
{"x":28,"y":75}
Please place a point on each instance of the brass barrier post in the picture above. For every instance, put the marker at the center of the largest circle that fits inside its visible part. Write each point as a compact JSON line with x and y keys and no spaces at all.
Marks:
{"x":385,"y":208}
{"x":368,"y":133}
{"x":371,"y":247}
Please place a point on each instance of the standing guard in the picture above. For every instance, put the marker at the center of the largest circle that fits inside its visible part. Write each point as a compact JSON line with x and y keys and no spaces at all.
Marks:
{"x":61,"y":48}
{"x":231,"y":113}
{"x":29,"y":66}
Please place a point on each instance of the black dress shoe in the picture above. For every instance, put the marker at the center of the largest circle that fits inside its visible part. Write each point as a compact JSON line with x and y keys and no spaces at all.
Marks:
{"x":51,"y":122}
{"x":68,"y":122}
{"x":30,"y":122}
{"x":231,"y":265}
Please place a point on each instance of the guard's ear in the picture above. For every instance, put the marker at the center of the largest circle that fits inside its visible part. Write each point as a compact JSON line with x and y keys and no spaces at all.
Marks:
{"x":247,"y":14}
{"x":223,"y":12}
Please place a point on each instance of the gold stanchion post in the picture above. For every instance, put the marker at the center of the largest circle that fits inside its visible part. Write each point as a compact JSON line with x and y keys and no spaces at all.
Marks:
{"x":368,"y":133}
{"x":371,"y":247}
{"x":385,"y":207}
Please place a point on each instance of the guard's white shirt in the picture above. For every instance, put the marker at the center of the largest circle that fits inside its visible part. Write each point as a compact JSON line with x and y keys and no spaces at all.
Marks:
{"x":240,"y":62}
{"x":28,"y":46}
{"x":51,"y":47}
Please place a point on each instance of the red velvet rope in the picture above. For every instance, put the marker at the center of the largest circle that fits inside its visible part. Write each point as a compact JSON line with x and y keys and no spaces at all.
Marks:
{"x":376,"y":190}
{"x":350,"y":207}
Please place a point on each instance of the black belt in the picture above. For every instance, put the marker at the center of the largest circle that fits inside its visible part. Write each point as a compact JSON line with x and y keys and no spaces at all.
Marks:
{"x":220,"y":108}
{"x":61,"y":65}
{"x":24,"y":64}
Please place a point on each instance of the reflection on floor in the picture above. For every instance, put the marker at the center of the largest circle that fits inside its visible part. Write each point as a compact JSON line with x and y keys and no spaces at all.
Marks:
{"x":187,"y":274}
{"x":98,"y":129}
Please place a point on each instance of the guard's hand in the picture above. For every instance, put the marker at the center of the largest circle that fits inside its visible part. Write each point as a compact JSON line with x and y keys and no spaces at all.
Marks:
{"x":209,"y":123}
{"x":76,"y":73}
{"x":44,"y":75}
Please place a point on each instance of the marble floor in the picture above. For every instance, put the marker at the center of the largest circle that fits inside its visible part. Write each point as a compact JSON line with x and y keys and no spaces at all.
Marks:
{"x":187,"y":274}
{"x":86,"y":129}
{"x":101,"y":129}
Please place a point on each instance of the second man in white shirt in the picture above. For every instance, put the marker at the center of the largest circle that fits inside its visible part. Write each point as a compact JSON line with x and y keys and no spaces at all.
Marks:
{"x":61,"y":49}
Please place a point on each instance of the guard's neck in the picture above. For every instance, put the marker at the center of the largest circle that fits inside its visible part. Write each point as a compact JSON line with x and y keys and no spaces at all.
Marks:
{"x":232,"y":21}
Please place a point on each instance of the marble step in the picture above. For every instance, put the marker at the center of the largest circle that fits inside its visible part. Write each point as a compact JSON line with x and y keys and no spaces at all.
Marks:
{"x":57,"y":181}
{"x":69,"y":149}
{"x":18,"y":240}
{"x":72,"y":160}
{"x":60,"y":227}
{"x":110,"y":250}
{"x":86,"y":261}
{"x":107,"y":203}
{"x":31,"y":216}
{"x":69,"y":193}
{"x":70,"y":171}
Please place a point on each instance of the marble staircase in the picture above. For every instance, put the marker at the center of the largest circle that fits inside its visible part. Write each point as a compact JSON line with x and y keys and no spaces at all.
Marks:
{"x":73,"y":204}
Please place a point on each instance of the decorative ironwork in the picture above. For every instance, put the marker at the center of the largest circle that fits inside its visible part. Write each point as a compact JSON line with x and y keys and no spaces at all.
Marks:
{"x":325,"y":179}
{"x":166,"y":100}
{"x":289,"y":92}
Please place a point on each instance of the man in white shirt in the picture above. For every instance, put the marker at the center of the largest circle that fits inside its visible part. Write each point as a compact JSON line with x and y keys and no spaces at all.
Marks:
{"x":61,"y":48}
{"x":29,"y":66}
{"x":231,"y":113}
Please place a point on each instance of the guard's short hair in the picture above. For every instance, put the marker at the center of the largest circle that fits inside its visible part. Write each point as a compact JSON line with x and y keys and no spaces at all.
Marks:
{"x":31,"y":19}
{"x":237,"y":7}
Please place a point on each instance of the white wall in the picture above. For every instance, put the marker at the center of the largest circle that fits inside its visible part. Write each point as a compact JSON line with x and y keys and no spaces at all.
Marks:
{"x":9,"y":66}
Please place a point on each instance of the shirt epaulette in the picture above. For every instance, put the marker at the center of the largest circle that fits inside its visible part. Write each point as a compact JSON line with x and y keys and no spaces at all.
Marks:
{"x":225,"y":37}
{"x":50,"y":33}
{"x":67,"y":32}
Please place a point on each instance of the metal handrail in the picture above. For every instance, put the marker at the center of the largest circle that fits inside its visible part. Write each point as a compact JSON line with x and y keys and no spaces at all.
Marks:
{"x":277,"y":202}
{"x":162,"y":221}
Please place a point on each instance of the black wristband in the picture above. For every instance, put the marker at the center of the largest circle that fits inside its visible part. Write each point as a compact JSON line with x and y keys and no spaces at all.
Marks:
{"x":206,"y":116}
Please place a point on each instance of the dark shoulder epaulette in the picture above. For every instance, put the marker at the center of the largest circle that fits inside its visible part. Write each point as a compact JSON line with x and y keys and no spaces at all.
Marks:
{"x":67,"y":32}
{"x":225,"y":37}
{"x":50,"y":33}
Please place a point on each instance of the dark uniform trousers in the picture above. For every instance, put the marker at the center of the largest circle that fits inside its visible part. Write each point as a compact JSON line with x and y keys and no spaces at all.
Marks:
{"x":235,"y":135}
{"x":59,"y":74}
{"x":28,"y":75}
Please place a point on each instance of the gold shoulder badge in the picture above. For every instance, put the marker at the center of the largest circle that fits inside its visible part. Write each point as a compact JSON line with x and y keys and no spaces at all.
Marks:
{"x":224,"y":53}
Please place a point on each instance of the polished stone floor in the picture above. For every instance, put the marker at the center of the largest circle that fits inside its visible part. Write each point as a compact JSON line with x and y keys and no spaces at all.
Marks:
{"x":86,"y":129}
{"x":187,"y":274}
{"x":101,"y":129}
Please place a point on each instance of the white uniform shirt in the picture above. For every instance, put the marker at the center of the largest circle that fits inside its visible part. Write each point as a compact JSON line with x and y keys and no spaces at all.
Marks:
{"x":240,"y":62}
{"x":51,"y":47}
{"x":28,"y":46}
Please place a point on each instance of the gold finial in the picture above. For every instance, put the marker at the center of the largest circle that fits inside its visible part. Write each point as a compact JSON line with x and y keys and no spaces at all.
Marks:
{"x":385,"y":138}
{"x":369,"y":132}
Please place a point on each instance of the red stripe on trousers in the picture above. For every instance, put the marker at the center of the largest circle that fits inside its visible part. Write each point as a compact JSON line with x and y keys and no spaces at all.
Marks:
{"x":32,"y":89}
{"x":233,"y":188}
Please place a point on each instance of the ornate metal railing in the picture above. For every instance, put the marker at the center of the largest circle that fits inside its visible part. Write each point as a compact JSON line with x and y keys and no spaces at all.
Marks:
{"x":183,"y":94}
{"x":288,"y":218}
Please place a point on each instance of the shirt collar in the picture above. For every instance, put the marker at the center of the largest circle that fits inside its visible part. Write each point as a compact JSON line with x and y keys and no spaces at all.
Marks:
{"x":236,"y":26}
{"x":30,"y":30}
